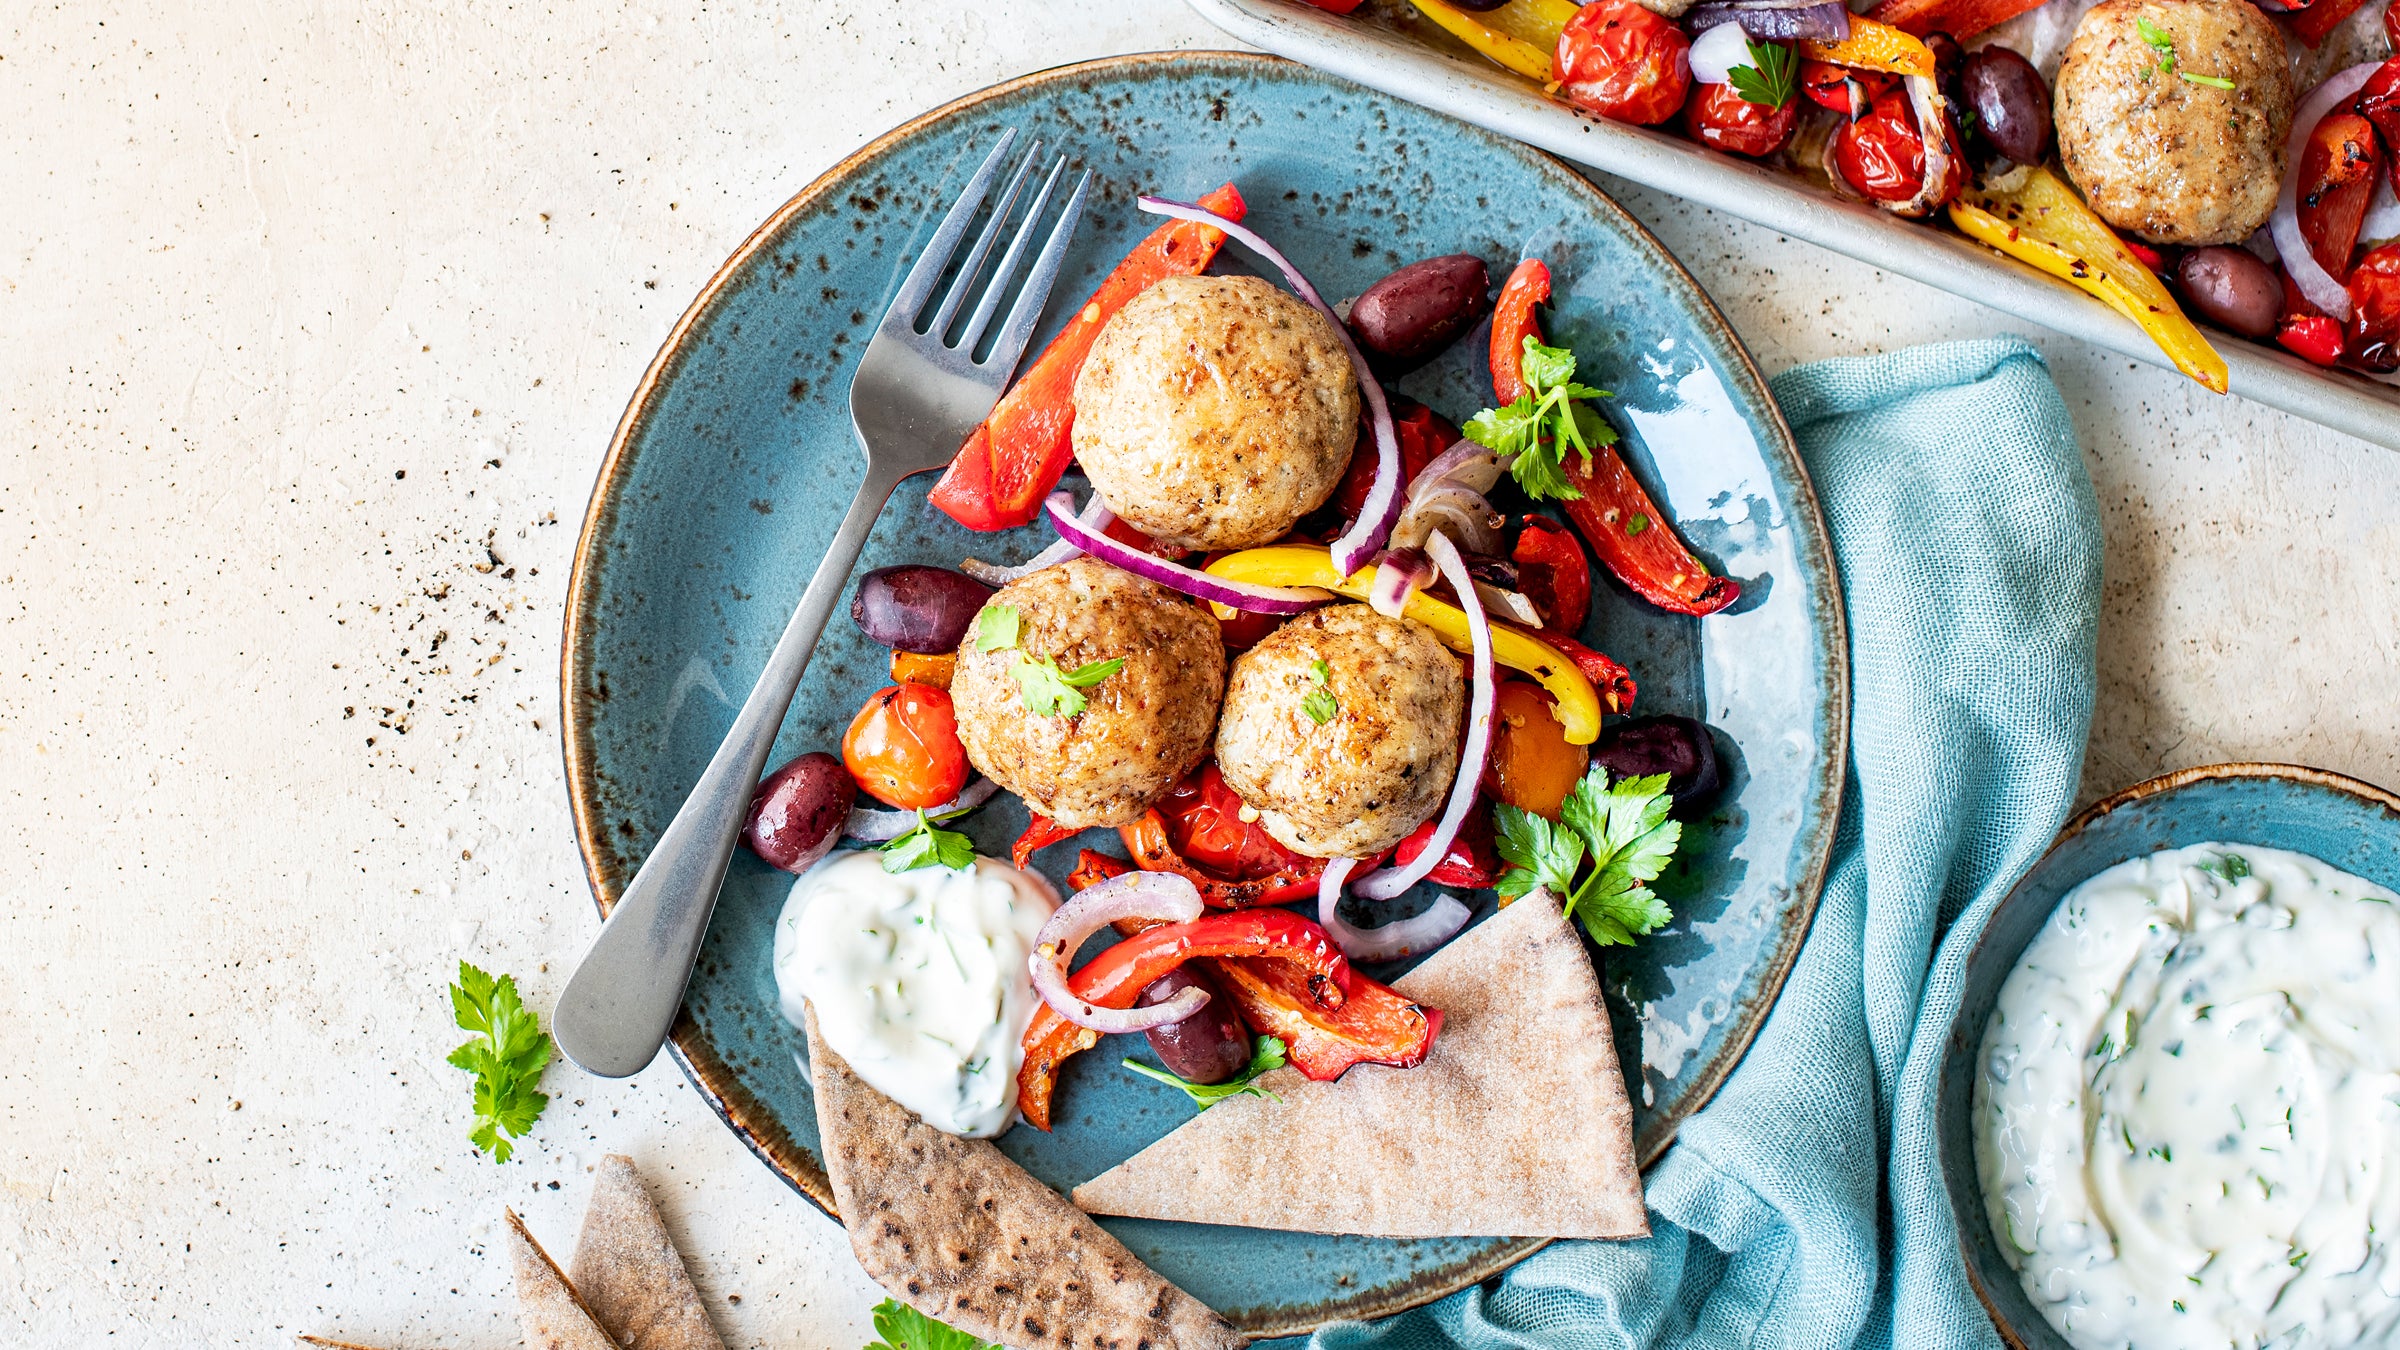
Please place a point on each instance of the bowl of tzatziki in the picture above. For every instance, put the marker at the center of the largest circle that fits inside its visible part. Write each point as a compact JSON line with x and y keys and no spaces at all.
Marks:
{"x":2169,"y":1107}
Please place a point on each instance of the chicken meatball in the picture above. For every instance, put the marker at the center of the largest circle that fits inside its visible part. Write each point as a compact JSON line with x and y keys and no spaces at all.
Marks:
{"x":1214,"y":412}
{"x":1140,"y":730}
{"x":1378,"y":763}
{"x":2173,"y":161}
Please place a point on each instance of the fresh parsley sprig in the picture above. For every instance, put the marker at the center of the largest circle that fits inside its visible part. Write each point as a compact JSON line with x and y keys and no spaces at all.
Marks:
{"x":1624,"y":834}
{"x":1319,"y":703}
{"x":507,"y":1057}
{"x":904,"y":1328}
{"x":1266,"y":1056}
{"x":1047,"y":690}
{"x":1771,"y":78}
{"x":2161,"y":41}
{"x":1543,"y":422}
{"x":928,"y":845}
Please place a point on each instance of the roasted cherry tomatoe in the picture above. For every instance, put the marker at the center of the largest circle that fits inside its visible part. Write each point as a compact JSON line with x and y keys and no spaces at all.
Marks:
{"x":1723,"y":120}
{"x":2372,"y":340}
{"x":1623,"y":62}
{"x":1881,"y":155}
{"x":903,"y":747}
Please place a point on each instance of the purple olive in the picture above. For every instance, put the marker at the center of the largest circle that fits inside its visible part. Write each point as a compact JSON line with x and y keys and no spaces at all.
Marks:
{"x":1678,"y":747}
{"x":917,"y":608}
{"x":1406,"y":319}
{"x":1478,"y":6}
{"x":797,"y":816}
{"x":2232,"y":289}
{"x":2011,"y":102}
{"x":1209,"y":1046}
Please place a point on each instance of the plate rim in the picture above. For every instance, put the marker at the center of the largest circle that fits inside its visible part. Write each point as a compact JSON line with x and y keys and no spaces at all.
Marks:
{"x":707,"y":1071}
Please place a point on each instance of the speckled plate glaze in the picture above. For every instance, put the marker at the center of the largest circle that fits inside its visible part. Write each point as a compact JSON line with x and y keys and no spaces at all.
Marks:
{"x":735,"y":461}
{"x":2354,"y":826}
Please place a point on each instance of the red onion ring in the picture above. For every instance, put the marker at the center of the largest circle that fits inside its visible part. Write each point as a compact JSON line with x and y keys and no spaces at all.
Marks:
{"x":1440,"y":922}
{"x":1933,"y":132}
{"x":1469,"y":465}
{"x":1135,"y":895}
{"x":1822,"y":20}
{"x":2291,"y":247}
{"x":1374,"y":523}
{"x":881,"y":827}
{"x":1402,"y":573}
{"x":1175,"y":576}
{"x":1391,"y":881}
{"x":1717,"y":50}
{"x":1452,"y":508}
{"x":1513,"y":605}
{"x":1096,"y":516}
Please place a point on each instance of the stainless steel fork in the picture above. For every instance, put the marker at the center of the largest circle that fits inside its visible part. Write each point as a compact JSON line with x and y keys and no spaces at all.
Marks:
{"x":917,"y":393}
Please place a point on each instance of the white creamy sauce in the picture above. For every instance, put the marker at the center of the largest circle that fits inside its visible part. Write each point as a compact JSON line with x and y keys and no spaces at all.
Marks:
{"x":919,"y":979}
{"x":2188,"y":1119}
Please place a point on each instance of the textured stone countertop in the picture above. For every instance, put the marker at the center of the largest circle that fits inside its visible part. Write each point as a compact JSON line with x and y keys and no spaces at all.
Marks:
{"x":314,"y":311}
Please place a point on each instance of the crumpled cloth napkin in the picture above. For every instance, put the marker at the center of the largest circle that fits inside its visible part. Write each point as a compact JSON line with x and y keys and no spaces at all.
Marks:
{"x":1804,"y":1207}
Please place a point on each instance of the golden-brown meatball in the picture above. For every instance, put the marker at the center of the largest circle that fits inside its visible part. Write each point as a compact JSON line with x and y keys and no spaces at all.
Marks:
{"x":1141,"y":730}
{"x":2173,"y":161}
{"x":1214,"y":412}
{"x":1378,"y":766}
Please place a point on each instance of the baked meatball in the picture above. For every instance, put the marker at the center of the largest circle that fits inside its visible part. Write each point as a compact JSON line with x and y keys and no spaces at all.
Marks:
{"x":2173,"y":161}
{"x":1378,"y":766}
{"x":1141,"y":729}
{"x":1214,"y":412}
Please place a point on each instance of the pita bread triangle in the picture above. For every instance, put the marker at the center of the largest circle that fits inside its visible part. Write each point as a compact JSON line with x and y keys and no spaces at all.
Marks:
{"x":957,"y":1230}
{"x":552,"y":1314}
{"x":629,"y":1273}
{"x":1517,"y":1124}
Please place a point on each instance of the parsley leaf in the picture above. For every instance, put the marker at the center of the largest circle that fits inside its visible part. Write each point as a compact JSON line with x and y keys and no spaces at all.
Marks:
{"x":2212,"y":81}
{"x":1320,"y":705}
{"x":2230,"y":867}
{"x":1628,"y":838}
{"x":928,"y":846}
{"x":1266,"y":1056}
{"x":507,"y":1060}
{"x":1543,"y":422}
{"x":1051,"y":692}
{"x":1771,"y":78}
{"x":904,"y":1328}
{"x":996,"y":628}
{"x":2158,"y":40}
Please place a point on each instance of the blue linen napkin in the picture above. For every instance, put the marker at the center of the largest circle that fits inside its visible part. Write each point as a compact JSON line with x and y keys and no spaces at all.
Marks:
{"x":1789,"y":1213}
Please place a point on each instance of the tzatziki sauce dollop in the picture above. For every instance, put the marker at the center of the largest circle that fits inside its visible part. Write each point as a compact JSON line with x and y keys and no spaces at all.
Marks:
{"x":919,"y":979}
{"x":2187,"y":1120}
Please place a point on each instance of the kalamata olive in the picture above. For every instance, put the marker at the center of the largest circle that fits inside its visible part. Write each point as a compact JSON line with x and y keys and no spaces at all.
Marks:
{"x":917,"y":608}
{"x":1209,"y":1046}
{"x":2231,"y":288}
{"x":1678,"y":747}
{"x":2011,"y":102}
{"x":1946,"y":56}
{"x":797,"y":816}
{"x":1479,"y":6}
{"x":1406,"y":319}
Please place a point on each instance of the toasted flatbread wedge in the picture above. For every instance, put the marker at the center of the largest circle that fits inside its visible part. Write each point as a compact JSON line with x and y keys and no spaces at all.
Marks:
{"x":552,"y":1314}
{"x":958,"y":1231}
{"x":629,"y":1273}
{"x":1517,"y":1124}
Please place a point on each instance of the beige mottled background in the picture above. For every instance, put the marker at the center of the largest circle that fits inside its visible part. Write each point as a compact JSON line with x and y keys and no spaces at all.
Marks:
{"x":314,"y":320}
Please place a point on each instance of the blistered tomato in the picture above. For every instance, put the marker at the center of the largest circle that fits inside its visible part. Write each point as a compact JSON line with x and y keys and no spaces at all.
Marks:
{"x":1204,"y":823}
{"x":1881,"y":154}
{"x":2371,"y":342}
{"x":1621,"y":61}
{"x":1843,"y":89}
{"x":903,"y":748}
{"x":1721,"y":119}
{"x":1532,"y":766}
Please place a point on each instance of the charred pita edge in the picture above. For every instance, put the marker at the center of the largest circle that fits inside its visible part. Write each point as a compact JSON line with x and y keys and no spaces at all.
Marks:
{"x":955,"y":1229}
{"x":628,"y":1271}
{"x":1517,"y":1125}
{"x":552,"y":1315}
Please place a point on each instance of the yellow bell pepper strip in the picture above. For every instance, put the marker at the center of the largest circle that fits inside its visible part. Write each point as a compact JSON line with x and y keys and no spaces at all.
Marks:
{"x":1578,"y":703}
{"x":1534,"y":22}
{"x":1874,"y":46}
{"x":2043,"y":222}
{"x":1520,"y":56}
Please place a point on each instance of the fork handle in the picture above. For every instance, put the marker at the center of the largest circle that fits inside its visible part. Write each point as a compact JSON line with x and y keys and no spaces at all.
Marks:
{"x":617,"y":1007}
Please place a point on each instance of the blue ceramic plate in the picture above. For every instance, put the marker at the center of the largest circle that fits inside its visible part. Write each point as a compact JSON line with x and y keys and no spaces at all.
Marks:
{"x":735,"y":461}
{"x":2352,"y":825}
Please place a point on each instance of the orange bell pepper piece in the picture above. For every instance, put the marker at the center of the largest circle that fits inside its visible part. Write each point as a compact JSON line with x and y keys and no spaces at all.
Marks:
{"x":1874,"y":46}
{"x":933,"y":668}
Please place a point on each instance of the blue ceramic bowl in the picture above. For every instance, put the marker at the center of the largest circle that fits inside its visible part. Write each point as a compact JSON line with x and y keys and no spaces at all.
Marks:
{"x":736,"y":460}
{"x":2354,"y":826}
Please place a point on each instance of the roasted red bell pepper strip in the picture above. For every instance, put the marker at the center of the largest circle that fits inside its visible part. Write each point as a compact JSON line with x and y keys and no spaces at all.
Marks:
{"x":1093,"y":867}
{"x":1301,"y":953}
{"x":1012,"y":461}
{"x":1613,"y":682}
{"x":1513,"y":321}
{"x":2313,"y":23}
{"x":1634,"y":538}
{"x":1553,"y":573}
{"x":1375,"y":1025}
{"x":1958,"y":18}
{"x":1040,"y":834}
{"x":2316,"y":338}
{"x":1154,"y":851}
{"x":2379,"y":100}
{"x":1472,"y":861}
{"x":1337,"y":6}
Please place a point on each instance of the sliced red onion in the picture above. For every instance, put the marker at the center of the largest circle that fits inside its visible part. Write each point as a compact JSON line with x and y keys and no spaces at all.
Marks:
{"x":1515,"y":606}
{"x":1933,"y":131}
{"x":1402,"y":937}
{"x":1717,"y":51}
{"x":1096,"y":517}
{"x":1815,"y":20}
{"x":1452,"y":509}
{"x":1391,"y":881}
{"x":1374,"y":523}
{"x":1135,"y":895}
{"x":881,"y":827}
{"x":1174,"y":575}
{"x":2291,"y":247}
{"x":1402,"y":573}
{"x":1471,"y":466}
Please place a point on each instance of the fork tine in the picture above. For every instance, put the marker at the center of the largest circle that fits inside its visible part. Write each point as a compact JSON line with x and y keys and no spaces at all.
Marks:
{"x":968,"y":271}
{"x":917,"y":286}
{"x":1007,"y":269}
{"x":1027,"y":312}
